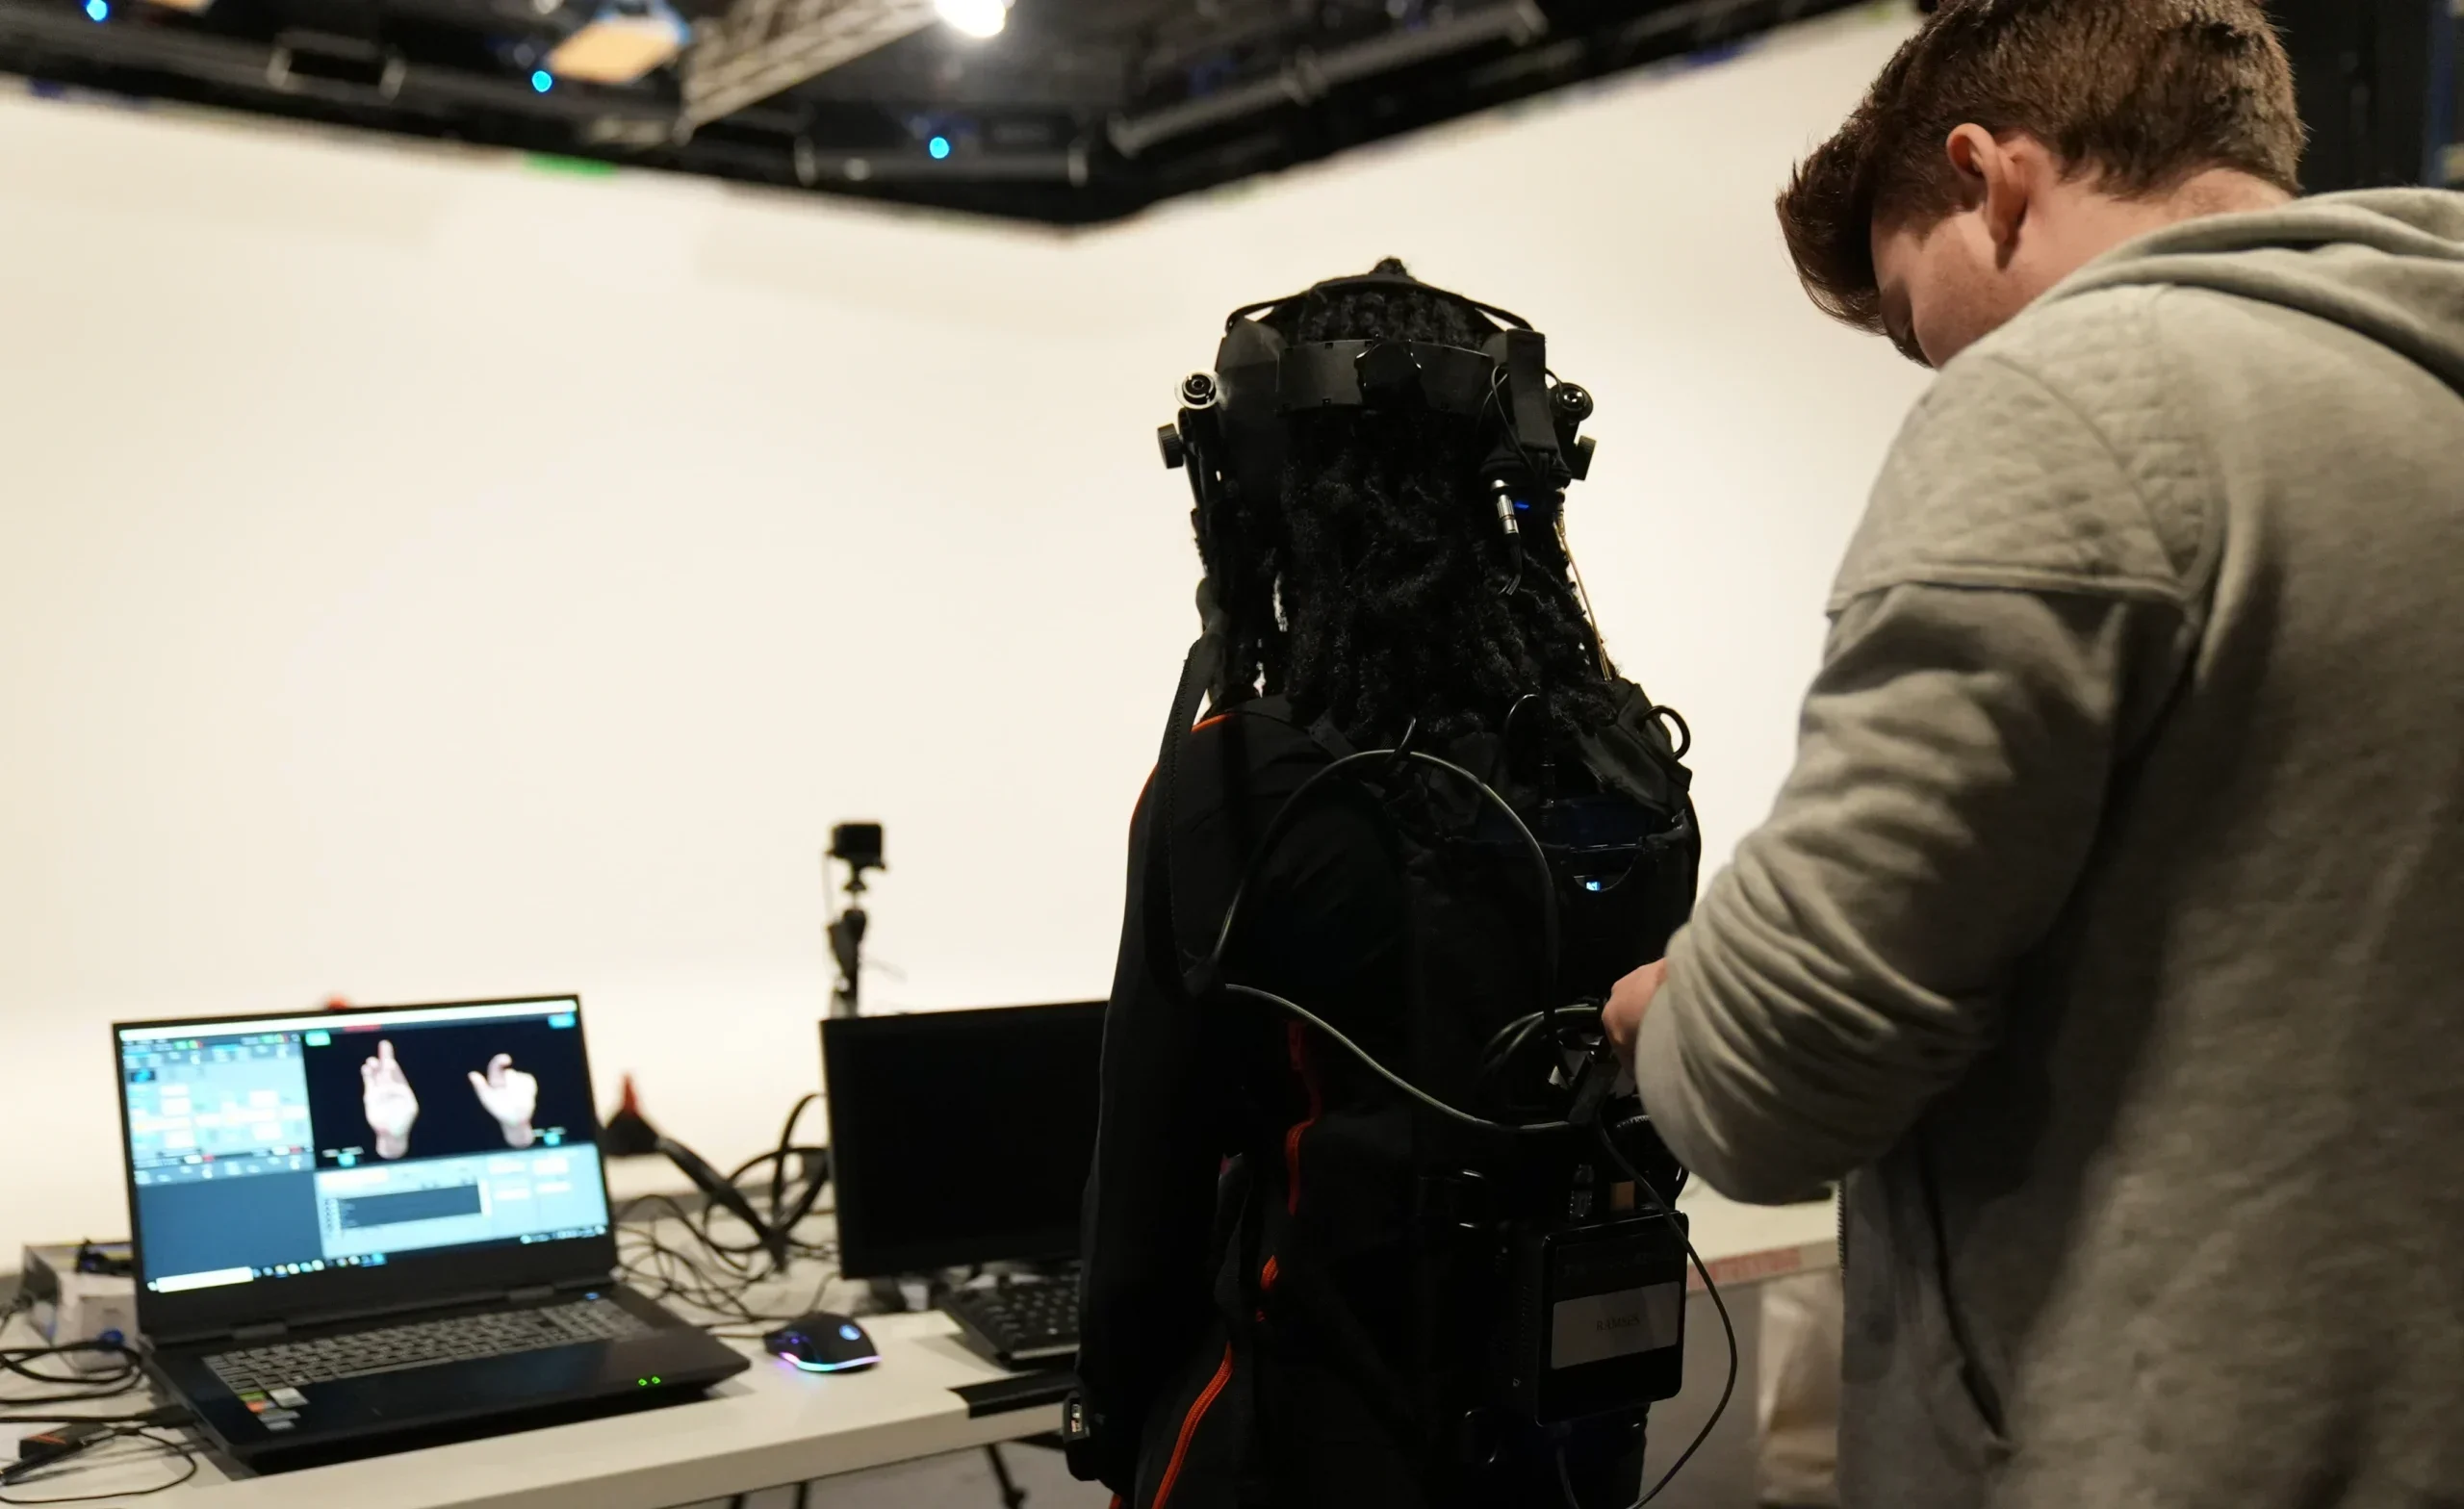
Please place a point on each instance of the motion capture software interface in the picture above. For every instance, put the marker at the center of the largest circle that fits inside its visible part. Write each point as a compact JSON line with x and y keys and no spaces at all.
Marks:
{"x":268,"y":1149}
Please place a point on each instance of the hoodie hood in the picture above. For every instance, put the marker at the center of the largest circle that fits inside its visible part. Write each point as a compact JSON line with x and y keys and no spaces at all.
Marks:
{"x":2387,"y":264}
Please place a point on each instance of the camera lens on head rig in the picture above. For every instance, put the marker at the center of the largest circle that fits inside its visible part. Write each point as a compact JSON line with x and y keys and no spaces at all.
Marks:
{"x":1199,"y":391}
{"x":1572,"y":401}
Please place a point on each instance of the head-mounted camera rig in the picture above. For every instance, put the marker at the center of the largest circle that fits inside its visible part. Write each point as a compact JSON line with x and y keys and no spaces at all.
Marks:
{"x":1233,"y":425}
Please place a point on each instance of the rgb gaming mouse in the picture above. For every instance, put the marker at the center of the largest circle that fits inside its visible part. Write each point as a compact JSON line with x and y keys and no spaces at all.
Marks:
{"x":823,"y":1342}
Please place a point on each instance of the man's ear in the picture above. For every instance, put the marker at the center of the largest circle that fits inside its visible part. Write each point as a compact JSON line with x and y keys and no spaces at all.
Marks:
{"x":1998,"y":180}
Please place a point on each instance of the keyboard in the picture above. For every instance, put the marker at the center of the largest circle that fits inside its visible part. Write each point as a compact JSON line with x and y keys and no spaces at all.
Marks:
{"x":1032,"y":1323}
{"x":425,"y":1344}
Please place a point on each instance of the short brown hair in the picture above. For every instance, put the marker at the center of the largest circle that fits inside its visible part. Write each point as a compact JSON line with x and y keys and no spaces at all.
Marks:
{"x":2144,"y":94}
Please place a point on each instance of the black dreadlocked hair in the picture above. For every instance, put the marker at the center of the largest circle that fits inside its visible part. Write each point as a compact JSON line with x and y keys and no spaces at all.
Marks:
{"x":1366,"y":588}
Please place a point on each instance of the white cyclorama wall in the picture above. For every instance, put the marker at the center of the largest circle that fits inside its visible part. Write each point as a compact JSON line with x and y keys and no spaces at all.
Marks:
{"x":424,"y":576}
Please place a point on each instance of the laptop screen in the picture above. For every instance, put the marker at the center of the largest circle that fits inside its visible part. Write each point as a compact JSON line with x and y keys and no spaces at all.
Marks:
{"x":265,"y":1150}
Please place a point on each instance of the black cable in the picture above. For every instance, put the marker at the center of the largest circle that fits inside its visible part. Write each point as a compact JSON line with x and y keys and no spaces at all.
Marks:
{"x":119,"y":1385}
{"x":163,"y":1414}
{"x":663,"y":1272}
{"x":711,"y":1273}
{"x":1013,"y":1497}
{"x":188,"y":1460}
{"x":79,"y":1383}
{"x":20,"y":1360}
{"x":1550,"y":929}
{"x":1684,"y":741}
{"x":743,"y":1264}
{"x":76,"y":1386}
{"x":1566,"y":1481}
{"x":1493,"y":1064}
{"x":778,"y":1160}
{"x":771,"y":1320}
{"x":1276,"y":826}
{"x":1505,"y":735}
{"x":1551,"y":932}
{"x":143,"y":1417}
{"x":1533,"y":1019}
{"x":1728,"y":1327}
{"x":1507,"y":1043}
{"x":1424,"y":1098}
{"x":779,"y":1229}
{"x":1643,"y":1186}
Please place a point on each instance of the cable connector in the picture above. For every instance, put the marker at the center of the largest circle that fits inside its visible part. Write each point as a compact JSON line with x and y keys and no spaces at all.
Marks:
{"x":40,"y":1450}
{"x":1594,"y":1084}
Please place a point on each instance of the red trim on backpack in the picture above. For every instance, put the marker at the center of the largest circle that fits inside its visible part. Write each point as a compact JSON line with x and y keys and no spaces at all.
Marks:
{"x":1189,"y":1428}
{"x":1296,"y":1042}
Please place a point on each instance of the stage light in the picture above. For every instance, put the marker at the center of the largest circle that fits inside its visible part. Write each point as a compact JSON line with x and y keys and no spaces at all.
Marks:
{"x":938,"y":146}
{"x":542,"y":80}
{"x":974,"y":17}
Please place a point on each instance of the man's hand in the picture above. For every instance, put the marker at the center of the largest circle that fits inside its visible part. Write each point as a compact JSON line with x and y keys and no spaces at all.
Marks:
{"x":1626,"y":1004}
{"x":385,"y":1095}
{"x":510,"y":1095}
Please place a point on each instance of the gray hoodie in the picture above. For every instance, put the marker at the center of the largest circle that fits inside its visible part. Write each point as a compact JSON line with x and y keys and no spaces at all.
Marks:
{"x":2111,"y":927}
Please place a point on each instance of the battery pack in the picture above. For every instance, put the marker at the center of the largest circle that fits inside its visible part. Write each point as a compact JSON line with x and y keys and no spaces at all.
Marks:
{"x":1598,"y":1318}
{"x":81,"y":1293}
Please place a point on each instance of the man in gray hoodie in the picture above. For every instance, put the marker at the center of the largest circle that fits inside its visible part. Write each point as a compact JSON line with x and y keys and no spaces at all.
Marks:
{"x":2107,"y":937}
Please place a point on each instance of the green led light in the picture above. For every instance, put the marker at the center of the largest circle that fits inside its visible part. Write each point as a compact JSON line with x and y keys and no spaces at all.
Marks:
{"x":641,"y":1383}
{"x":657,"y":1379}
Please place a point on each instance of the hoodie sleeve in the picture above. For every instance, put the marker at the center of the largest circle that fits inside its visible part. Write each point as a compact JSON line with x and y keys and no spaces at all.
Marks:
{"x":2017,"y":608}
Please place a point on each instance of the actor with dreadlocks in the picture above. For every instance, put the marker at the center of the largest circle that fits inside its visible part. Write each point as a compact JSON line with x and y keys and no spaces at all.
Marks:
{"x":1270,"y":1316}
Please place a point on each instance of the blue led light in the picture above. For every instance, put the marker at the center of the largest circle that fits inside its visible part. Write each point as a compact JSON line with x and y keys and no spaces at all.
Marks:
{"x":98,"y":10}
{"x":542,"y":80}
{"x":938,"y":146}
{"x":850,"y":1332}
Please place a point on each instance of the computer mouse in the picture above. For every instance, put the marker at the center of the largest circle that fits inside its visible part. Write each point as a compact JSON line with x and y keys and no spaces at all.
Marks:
{"x":823,"y":1342}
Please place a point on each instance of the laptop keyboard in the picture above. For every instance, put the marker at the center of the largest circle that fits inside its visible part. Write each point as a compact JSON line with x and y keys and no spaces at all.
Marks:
{"x":427,"y":1344}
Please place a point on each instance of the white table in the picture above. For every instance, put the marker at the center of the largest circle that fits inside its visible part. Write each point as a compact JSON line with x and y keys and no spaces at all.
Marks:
{"x":774,"y":1425}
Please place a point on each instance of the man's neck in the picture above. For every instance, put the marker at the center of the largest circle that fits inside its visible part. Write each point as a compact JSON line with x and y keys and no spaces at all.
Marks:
{"x":2088,"y":222}
{"x":2220,"y":190}
{"x":2224,"y":190}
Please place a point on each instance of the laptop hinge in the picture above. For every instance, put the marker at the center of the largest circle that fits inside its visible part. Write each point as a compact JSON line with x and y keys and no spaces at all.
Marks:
{"x":536,"y":1291}
{"x":265,"y":1331}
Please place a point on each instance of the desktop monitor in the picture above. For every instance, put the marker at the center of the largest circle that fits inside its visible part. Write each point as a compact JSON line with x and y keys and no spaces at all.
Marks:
{"x":280,"y":1165}
{"x":961,"y":1137}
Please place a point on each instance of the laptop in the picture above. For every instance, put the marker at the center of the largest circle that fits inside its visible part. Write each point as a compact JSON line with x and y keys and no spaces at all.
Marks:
{"x":359,"y":1231}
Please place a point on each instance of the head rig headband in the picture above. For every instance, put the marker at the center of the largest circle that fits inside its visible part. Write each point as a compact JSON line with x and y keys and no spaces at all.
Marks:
{"x":1231,"y":432}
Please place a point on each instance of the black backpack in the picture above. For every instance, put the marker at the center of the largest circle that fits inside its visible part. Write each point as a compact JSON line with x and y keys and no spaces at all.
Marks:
{"x":1617,"y":839}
